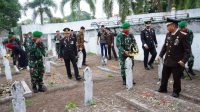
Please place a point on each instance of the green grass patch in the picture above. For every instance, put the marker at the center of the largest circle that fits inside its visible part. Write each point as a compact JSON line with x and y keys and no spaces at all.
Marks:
{"x":70,"y":105}
{"x":28,"y":102}
{"x":92,"y":103}
{"x":110,"y":75}
{"x":90,"y":54}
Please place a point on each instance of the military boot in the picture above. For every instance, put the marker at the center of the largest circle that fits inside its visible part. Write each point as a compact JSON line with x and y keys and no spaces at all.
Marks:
{"x":191,"y":72}
{"x":124,"y":80}
{"x":41,"y":88}
{"x":34,"y":87}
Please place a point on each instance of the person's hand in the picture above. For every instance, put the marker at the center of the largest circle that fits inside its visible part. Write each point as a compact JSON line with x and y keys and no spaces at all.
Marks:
{"x":158,"y":59}
{"x":146,"y":46}
{"x":61,"y":59}
{"x":181,"y":63}
{"x":111,"y":44}
{"x":126,"y":53}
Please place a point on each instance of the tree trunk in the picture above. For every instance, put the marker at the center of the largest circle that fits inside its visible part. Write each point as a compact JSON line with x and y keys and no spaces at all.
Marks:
{"x":169,"y":7}
{"x":78,"y":12}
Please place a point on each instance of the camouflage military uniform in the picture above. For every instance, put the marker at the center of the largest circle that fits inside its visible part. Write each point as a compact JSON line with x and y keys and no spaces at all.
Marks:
{"x":190,"y":40}
{"x":37,"y":51}
{"x":27,"y":43}
{"x":123,"y":44}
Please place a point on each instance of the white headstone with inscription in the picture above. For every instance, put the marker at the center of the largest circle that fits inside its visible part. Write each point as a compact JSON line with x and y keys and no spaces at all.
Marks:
{"x":88,"y":86}
{"x":129,"y":73}
{"x":80,"y":59}
{"x":18,"y":101}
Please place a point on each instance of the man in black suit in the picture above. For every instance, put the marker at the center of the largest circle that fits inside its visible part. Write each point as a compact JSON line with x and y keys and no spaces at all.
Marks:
{"x":149,"y":44}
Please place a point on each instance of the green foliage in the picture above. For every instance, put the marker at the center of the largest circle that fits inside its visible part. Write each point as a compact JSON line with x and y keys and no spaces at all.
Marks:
{"x":110,"y":75}
{"x":9,"y":13}
{"x":56,"y":20}
{"x":26,"y":22}
{"x":28,"y":102}
{"x":40,"y":7}
{"x":75,"y":7}
{"x":70,"y":105}
{"x":92,"y":103}
{"x":82,"y":16}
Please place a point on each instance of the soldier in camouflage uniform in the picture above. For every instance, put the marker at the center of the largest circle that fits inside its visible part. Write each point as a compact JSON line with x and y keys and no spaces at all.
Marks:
{"x":183,"y":28}
{"x":27,"y":41}
{"x":37,"y":51}
{"x":123,"y":42}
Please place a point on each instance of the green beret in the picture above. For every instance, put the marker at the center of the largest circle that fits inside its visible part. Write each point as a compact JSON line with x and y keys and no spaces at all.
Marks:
{"x":182,"y":24}
{"x":10,"y":35}
{"x":125,"y":25}
{"x":37,"y":34}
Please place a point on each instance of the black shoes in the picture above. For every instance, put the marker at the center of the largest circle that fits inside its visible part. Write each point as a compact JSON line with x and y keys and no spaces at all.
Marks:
{"x":124,"y":80}
{"x":175,"y":95}
{"x":41,"y":88}
{"x":78,"y":78}
{"x":162,"y":91}
{"x":151,"y":66}
{"x":84,"y":64}
{"x":35,"y":89}
{"x":147,"y":68}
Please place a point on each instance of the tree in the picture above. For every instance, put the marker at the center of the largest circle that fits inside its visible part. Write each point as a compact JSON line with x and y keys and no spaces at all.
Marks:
{"x":83,"y":16}
{"x":124,"y":8}
{"x":26,"y":22}
{"x":9,"y":13}
{"x":75,"y":7}
{"x":40,"y":7}
{"x":56,"y":20}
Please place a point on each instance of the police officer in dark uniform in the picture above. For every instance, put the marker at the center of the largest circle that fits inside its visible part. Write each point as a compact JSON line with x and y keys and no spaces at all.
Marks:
{"x":177,"y":52}
{"x":149,"y":44}
{"x":69,"y":53}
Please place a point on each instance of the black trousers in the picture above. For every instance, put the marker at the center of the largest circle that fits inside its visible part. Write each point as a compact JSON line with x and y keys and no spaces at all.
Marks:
{"x":113,"y":50}
{"x":176,"y":72}
{"x":153,"y":52}
{"x":84,"y":56}
{"x":73,"y":59}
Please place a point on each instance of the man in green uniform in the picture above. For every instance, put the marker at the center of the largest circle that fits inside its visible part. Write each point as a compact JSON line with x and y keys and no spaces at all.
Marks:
{"x":183,"y":28}
{"x":124,"y":41}
{"x":37,"y":51}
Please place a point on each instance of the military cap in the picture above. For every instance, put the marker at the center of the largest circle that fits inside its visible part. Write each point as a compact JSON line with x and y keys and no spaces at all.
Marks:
{"x":182,"y":24}
{"x":10,"y":35}
{"x":37,"y":34}
{"x":125,"y":25}
{"x":170,"y":21}
{"x":147,"y":22}
{"x":66,"y":29}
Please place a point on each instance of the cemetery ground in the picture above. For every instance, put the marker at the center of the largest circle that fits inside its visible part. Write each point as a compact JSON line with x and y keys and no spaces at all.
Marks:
{"x":109,"y":95}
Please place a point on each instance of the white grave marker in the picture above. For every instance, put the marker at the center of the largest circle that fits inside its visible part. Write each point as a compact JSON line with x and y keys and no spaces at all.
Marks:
{"x":6,"y":64}
{"x":129,"y":73}
{"x":18,"y":100}
{"x":80,"y":59}
{"x":160,"y":67}
{"x":88,"y":86}
{"x":47,"y":65}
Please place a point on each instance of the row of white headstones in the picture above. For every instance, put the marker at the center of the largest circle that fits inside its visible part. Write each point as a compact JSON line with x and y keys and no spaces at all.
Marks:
{"x":17,"y":90}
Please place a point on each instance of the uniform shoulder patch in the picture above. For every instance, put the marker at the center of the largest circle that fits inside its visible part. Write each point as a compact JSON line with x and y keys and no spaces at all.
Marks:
{"x":183,"y":33}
